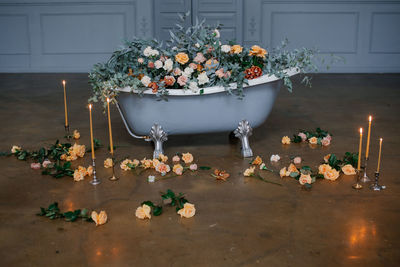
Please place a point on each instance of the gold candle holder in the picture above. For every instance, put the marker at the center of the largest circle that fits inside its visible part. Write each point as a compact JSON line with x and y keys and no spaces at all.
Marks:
{"x":113,"y":177}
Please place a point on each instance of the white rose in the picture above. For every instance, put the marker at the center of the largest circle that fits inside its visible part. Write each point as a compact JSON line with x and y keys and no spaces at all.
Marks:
{"x":217,"y":34}
{"x":145,"y":80}
{"x":168,"y":64}
{"x":151,"y":178}
{"x":197,"y":45}
{"x":188,"y":72}
{"x":226,"y":48}
{"x":193,"y":86}
{"x":275,"y":158}
{"x":203,"y":79}
{"x":147,"y":51}
{"x":154,"y":52}
{"x":158,"y":64}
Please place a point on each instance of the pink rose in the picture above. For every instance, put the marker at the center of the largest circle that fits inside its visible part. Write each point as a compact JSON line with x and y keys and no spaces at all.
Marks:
{"x":176,"y":158}
{"x":182,"y":80}
{"x":199,"y":58}
{"x":193,"y":167}
{"x":227,"y":75}
{"x":329,"y":137}
{"x":177,"y":71}
{"x":140,"y":60}
{"x":303,"y":136}
{"x":35,"y":166}
{"x":297,"y":160}
{"x":220,"y":73}
{"x":150,"y":65}
{"x":46,"y":163}
{"x":193,"y":66}
{"x":325,"y":141}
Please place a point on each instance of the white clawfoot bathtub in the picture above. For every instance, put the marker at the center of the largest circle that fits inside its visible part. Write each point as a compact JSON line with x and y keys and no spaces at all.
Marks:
{"x":188,"y":112}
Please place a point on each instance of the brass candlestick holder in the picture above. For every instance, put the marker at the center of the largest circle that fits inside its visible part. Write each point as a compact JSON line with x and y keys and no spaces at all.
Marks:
{"x":113,"y":177}
{"x":376,"y":186}
{"x":365,"y":178}
{"x":358,"y":185}
{"x":95,"y":181}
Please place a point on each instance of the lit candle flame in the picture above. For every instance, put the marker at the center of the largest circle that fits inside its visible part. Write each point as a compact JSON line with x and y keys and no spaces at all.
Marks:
{"x":360,"y":130}
{"x":63,"y":82}
{"x":370,"y":118}
{"x":90,"y":106}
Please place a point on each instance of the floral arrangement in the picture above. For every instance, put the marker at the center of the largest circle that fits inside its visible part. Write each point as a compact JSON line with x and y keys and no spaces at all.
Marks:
{"x":317,"y":137}
{"x":183,"y":207}
{"x":194,"y":58}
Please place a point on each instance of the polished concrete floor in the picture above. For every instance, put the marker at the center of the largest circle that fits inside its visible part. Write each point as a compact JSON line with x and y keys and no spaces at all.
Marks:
{"x":241,"y":222}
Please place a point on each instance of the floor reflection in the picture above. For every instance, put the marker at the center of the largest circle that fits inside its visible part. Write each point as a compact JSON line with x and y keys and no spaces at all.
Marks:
{"x":362,"y":235}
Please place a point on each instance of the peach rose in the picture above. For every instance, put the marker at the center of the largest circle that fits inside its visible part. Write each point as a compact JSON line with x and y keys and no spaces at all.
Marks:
{"x":89,"y":171}
{"x":78,"y":150}
{"x":15,"y":149}
{"x":313,"y":140}
{"x":332,"y":174}
{"x":326,"y":158}
{"x":249,"y":171}
{"x":187,"y":157}
{"x":322,"y":169}
{"x":211,"y":64}
{"x":46,"y":163}
{"x":177,"y":169}
{"x":348,"y":169}
{"x":283,"y":172}
{"x":169,"y":80}
{"x":199,"y":58}
{"x":182,"y":80}
{"x":143,"y":212}
{"x":188,"y":210}
{"x":193,"y":66}
{"x":236,"y":49}
{"x":286,"y":140}
{"x":76,"y":134}
{"x":181,"y":58}
{"x":162,"y":168}
{"x":79,"y":174}
{"x":155,"y":162}
{"x":163,"y":158}
{"x":124,"y":164}
{"x":146,"y":163}
{"x":257,"y":161}
{"x":108,"y":163}
{"x":220,"y":73}
{"x":257,"y":51}
{"x":305,"y":179}
{"x":100,"y":218}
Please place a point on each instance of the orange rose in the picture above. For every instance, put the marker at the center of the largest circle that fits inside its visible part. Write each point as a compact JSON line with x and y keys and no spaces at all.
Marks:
{"x":153,"y":86}
{"x":257,"y":51}
{"x":257,"y":161}
{"x":285,"y":140}
{"x":187,"y":157}
{"x":236,"y":49}
{"x":292,"y":168}
{"x":305,"y":179}
{"x":182,"y":58}
{"x":211,"y":64}
{"x":313,"y":140}
{"x":169,"y":80}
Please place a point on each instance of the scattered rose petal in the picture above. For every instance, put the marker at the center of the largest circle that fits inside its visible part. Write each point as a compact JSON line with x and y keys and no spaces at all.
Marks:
{"x":35,"y":166}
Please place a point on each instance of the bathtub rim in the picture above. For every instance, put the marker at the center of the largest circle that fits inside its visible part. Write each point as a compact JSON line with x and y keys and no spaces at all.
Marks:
{"x":213,"y":89}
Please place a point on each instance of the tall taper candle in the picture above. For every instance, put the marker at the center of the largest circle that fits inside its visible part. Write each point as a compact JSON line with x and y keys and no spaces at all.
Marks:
{"x":109,"y":127}
{"x":369,"y":135}
{"x":91,"y":131}
{"x":65,"y":104}
{"x":359,"y":151}
{"x":379,"y":157}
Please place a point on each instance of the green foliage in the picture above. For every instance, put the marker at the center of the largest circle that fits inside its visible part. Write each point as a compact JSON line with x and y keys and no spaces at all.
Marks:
{"x":96,"y":144}
{"x":53,"y":212}
{"x":176,"y":200}
{"x":348,"y":158}
{"x":156,"y":209}
{"x":57,"y":170}
{"x":204,"y":168}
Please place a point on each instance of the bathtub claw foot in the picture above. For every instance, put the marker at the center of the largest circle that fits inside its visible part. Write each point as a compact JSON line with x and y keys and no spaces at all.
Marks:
{"x":158,"y":136}
{"x":243,"y":131}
